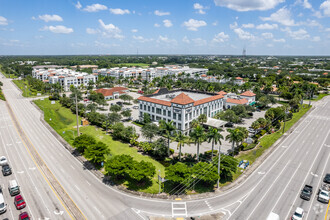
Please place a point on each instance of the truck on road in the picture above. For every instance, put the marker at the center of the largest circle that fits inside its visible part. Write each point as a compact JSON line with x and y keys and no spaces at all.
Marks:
{"x":324,"y":193}
{"x":306,"y":192}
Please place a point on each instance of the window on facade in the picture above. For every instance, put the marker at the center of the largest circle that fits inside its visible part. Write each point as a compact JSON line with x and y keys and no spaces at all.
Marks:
{"x":158,"y":111}
{"x":169,"y":113}
{"x":190,"y":115}
{"x":153,"y":109}
{"x":186,"y":125}
{"x":148,"y":108}
{"x":140,"y":114}
{"x":164,"y":112}
{"x":145,"y":107}
{"x":174,"y":115}
{"x":186,"y":117}
{"x":179,"y":117}
{"x":158,"y":118}
{"x":179,"y":126}
{"x":205,"y":110}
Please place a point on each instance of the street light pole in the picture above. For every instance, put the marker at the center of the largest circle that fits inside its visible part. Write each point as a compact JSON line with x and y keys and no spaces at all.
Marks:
{"x":77,"y":115}
{"x":284,"y":120}
{"x":219,"y":154}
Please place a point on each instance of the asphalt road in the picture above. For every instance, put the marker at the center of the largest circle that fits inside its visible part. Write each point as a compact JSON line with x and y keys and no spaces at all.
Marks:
{"x":302,"y":158}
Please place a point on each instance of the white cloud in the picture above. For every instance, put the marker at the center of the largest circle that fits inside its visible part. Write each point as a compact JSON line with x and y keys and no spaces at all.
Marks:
{"x":200,"y":8}
{"x":249,"y":25}
{"x":185,"y":40}
{"x":267,"y":26}
{"x":317,"y":14}
{"x":244,"y":35}
{"x":199,"y":42}
{"x":58,"y":29}
{"x":95,"y":8}
{"x":233,"y":26}
{"x":134,"y":30}
{"x":327,"y":29}
{"x":215,"y":23}
{"x":119,"y":11}
{"x":156,"y":25}
{"x":167,"y":23}
{"x":282,"y":16}
{"x":110,"y":30}
{"x":141,"y":39}
{"x":281,"y":40}
{"x":3,"y":21}
{"x":316,"y":39}
{"x":165,"y":39}
{"x":92,"y":31}
{"x":300,"y":34}
{"x":220,"y":37}
{"x":306,"y":4}
{"x":310,"y":23}
{"x":270,"y":45}
{"x":244,"y":5}
{"x":267,"y":35}
{"x":325,"y":7}
{"x":161,"y":13}
{"x":104,"y":45}
{"x":78,"y":5}
{"x":193,"y":24}
{"x":48,"y":18}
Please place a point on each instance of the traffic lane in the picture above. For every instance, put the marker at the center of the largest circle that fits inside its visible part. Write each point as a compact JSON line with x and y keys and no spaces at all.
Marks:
{"x":49,"y":155}
{"x":34,"y":188}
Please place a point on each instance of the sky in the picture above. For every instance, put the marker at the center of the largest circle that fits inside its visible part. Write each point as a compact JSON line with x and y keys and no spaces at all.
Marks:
{"x":114,"y":27}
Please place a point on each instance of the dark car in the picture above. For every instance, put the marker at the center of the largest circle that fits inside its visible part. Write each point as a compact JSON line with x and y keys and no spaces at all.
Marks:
{"x":24,"y":216}
{"x":119,"y":103}
{"x":327,"y":178}
{"x":229,"y":124}
{"x":6,"y":170}
{"x":258,"y":110}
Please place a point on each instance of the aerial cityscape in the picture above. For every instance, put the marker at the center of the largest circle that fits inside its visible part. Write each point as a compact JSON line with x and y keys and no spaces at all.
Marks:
{"x":176,"y":110}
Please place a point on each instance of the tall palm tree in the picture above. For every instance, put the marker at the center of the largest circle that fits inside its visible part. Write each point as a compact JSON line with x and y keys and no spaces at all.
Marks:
{"x":181,"y":139}
{"x":234,"y":136}
{"x":214,"y":136}
{"x":198,"y":136}
{"x":167,"y":128}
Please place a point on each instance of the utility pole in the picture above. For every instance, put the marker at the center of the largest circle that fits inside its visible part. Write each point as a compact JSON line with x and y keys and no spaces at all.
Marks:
{"x":77,"y":115}
{"x":284,"y":120}
{"x":159,"y":180}
{"x":219,"y":154}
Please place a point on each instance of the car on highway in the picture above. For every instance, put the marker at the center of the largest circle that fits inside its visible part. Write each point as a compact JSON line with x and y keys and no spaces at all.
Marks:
{"x":298,"y":214}
{"x":327,"y":178}
{"x":19,"y":202}
{"x":306,"y":192}
{"x":324,"y":193}
{"x":6,"y":170}
{"x":3,"y":161}
{"x":24,"y":216}
{"x":3,"y":205}
{"x":13,"y":188}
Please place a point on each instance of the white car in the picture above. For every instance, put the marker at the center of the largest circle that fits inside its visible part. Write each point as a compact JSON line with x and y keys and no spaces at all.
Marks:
{"x":3,"y":161}
{"x":3,"y":205}
{"x":298,"y":214}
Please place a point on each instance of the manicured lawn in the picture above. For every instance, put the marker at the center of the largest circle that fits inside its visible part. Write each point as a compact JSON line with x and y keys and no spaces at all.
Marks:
{"x":62,"y":120}
{"x":25,"y":88}
{"x":269,"y":140}
{"x":134,"y":64}
{"x":320,"y":96}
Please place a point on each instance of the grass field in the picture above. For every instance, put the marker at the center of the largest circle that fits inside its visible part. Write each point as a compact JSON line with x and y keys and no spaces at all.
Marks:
{"x":25,"y":88}
{"x":269,"y":140}
{"x":64,"y":123}
{"x":320,"y":96}
{"x":134,"y":64}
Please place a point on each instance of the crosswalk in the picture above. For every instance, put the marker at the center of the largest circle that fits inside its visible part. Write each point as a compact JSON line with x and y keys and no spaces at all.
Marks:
{"x":179,"y":209}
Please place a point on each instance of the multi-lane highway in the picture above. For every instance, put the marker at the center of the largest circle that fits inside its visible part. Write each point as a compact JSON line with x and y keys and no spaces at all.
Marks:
{"x":302,"y":158}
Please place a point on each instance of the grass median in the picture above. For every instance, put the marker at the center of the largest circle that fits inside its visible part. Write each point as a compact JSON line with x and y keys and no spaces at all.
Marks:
{"x":23,"y":85}
{"x":63,"y":121}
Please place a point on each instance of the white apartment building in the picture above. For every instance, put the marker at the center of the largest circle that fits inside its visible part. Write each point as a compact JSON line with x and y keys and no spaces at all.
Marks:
{"x":65,"y":77}
{"x":180,"y":106}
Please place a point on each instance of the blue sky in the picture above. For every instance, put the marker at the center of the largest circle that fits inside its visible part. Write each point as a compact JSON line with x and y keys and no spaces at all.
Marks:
{"x":263,"y":27}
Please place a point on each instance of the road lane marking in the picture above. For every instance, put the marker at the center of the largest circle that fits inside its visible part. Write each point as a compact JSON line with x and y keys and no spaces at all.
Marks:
{"x":20,"y":172}
{"x":269,"y":188}
{"x":88,"y":183}
{"x":32,"y":168}
{"x":208,"y":204}
{"x":138,"y":213}
{"x":261,"y":173}
{"x":72,"y":167}
{"x":58,"y":213}
{"x":181,"y":207}
{"x":303,"y":182}
{"x":77,"y":187}
{"x":286,"y":186}
{"x":314,"y":174}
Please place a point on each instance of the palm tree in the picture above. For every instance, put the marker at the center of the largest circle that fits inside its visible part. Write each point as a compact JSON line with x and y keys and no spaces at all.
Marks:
{"x":214,"y":136}
{"x":234,"y":136}
{"x":194,"y":123}
{"x":181,"y":139}
{"x":198,"y":136}
{"x":202,"y":118}
{"x":167,"y":128}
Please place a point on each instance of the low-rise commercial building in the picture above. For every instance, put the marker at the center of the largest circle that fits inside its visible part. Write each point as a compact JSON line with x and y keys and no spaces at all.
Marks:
{"x":112,"y":93}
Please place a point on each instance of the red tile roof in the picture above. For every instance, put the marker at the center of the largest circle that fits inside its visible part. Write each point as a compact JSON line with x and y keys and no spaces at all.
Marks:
{"x":156,"y":91}
{"x":239,"y":78}
{"x":237,"y":101}
{"x":222,"y":93}
{"x":203,"y":75}
{"x":208,"y":99}
{"x":109,"y":92}
{"x":248,"y":93}
{"x":182,"y":99}
{"x":157,"y":101}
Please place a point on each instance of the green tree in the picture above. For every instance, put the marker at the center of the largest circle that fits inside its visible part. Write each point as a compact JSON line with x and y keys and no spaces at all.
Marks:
{"x":177,"y":173}
{"x":92,"y":107}
{"x":194,"y":123}
{"x":255,"y":125}
{"x":160,"y":148}
{"x":234,"y":136}
{"x":182,"y":140}
{"x":141,"y":171}
{"x":149,"y":131}
{"x":97,"y":152}
{"x":114,"y":117}
{"x":82,"y":142}
{"x":127,"y":113}
{"x":118,"y":166}
{"x":205,"y":172}
{"x":229,"y":115}
{"x":214,"y":136}
{"x":146,"y":118}
{"x":202,"y":118}
{"x":198,"y":136}
{"x":126,"y":97}
{"x":115,"y":108}
{"x":167,"y":128}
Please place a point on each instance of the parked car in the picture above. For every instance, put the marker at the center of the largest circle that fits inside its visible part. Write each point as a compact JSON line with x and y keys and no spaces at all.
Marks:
{"x":24,"y":216}
{"x":3,"y":161}
{"x":140,"y":92}
{"x":13,"y":188}
{"x":229,"y":124}
{"x":135,"y":107}
{"x":258,"y":109}
{"x":3,"y":205}
{"x":19,"y":202}
{"x":298,"y":214}
{"x":119,"y":103}
{"x":327,"y":178}
{"x":6,"y":170}
{"x":324,"y":193}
